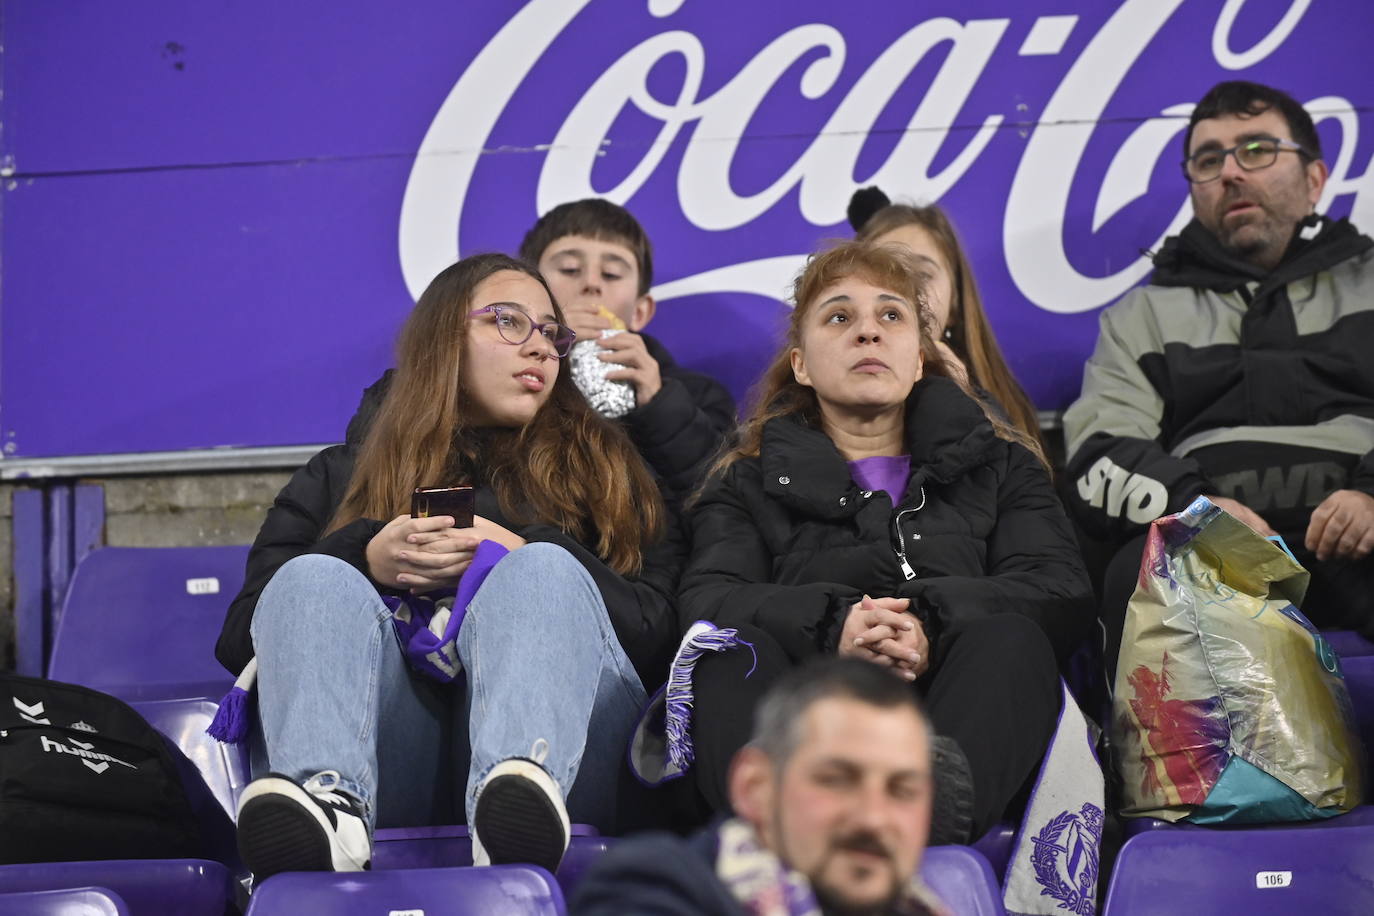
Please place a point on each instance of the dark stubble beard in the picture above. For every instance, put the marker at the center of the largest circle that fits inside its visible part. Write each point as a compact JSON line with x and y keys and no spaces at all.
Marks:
{"x":1267,"y":238}
{"x":833,"y":904}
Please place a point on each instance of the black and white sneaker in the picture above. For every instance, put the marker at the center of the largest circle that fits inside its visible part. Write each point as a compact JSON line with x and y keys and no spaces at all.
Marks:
{"x":312,"y":826}
{"x":520,"y":815}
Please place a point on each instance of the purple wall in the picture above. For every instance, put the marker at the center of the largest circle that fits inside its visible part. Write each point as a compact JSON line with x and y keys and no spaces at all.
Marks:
{"x":215,"y":215}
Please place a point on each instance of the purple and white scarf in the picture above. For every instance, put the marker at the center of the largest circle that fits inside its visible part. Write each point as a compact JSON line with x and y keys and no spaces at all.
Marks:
{"x":661,"y":746}
{"x":764,"y":886}
{"x":427,"y":625}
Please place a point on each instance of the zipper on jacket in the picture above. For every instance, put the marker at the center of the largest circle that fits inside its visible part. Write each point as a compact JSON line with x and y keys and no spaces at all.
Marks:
{"x":901,"y":542}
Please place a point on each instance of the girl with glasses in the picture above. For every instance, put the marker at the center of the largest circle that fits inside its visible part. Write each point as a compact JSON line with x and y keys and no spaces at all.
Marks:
{"x":407,"y":667}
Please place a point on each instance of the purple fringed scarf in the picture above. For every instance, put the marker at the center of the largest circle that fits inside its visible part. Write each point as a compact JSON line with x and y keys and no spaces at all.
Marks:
{"x":658,"y":757}
{"x":427,"y":626}
{"x":230,"y":724}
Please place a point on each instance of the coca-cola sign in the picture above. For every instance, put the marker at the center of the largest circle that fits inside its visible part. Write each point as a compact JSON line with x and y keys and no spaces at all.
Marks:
{"x":1053,"y":139}
{"x":258,"y":193}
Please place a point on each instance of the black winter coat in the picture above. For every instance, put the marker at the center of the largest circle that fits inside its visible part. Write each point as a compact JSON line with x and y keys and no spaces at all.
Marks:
{"x":641,"y":608}
{"x":678,"y":432}
{"x":788,"y":542}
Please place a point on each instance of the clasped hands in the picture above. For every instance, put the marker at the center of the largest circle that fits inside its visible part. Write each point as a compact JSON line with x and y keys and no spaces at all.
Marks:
{"x":879,"y":630}
{"x":423,"y":554}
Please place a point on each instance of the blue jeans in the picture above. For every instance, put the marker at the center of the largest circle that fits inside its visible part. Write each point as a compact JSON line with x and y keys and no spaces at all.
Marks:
{"x":540,"y":660}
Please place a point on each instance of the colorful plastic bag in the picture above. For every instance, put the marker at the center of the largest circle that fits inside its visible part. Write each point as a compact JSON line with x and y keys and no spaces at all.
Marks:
{"x":1229,"y":705}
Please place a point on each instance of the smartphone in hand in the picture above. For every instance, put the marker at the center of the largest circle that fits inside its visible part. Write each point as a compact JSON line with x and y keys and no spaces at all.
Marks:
{"x":427,"y":502}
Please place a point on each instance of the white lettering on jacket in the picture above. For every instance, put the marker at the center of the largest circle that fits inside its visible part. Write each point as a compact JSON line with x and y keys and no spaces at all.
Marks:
{"x":1112,"y":488}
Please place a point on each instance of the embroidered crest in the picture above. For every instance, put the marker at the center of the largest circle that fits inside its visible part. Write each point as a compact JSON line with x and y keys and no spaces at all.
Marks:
{"x":1066,"y":859}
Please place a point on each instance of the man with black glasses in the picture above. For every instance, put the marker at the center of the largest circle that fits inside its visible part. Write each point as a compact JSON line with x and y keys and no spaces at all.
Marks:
{"x":1244,"y":370}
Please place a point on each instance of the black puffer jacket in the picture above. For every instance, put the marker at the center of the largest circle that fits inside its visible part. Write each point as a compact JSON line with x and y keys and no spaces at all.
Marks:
{"x":641,"y":608}
{"x":678,"y":432}
{"x":788,"y":542}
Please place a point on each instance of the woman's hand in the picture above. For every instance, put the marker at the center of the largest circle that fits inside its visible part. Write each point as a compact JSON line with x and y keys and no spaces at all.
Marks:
{"x":880,"y":631}
{"x":486,"y":530}
{"x":420,"y":554}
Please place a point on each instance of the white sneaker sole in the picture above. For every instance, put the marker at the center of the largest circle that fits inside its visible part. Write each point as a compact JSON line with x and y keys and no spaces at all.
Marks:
{"x":281,"y":828}
{"x":520,"y":817}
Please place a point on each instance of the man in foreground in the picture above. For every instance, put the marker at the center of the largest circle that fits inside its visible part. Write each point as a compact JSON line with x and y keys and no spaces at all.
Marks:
{"x":832,"y":801}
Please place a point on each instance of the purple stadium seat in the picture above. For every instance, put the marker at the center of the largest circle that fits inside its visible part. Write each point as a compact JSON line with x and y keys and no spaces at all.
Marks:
{"x":512,"y":889}
{"x":1348,"y":643}
{"x":168,"y":887}
{"x":1359,"y":679}
{"x":962,"y":878}
{"x":996,"y":846}
{"x":223,"y":767}
{"x":1305,"y":869}
{"x":141,"y":622}
{"x":396,"y":848}
{"x":1363,"y":816}
{"x":77,"y":901}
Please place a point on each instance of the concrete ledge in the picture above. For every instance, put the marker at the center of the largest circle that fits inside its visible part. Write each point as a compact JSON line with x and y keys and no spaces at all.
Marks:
{"x":285,"y":457}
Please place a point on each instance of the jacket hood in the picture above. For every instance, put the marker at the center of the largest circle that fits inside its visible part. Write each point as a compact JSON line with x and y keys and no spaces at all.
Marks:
{"x":947,"y":435}
{"x":1196,"y":258}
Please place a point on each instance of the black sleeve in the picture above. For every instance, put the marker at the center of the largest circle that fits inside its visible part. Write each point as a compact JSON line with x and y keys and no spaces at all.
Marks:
{"x":642,"y":606}
{"x":373,"y":396}
{"x":681,"y":430}
{"x":729,"y":576}
{"x":1033,"y":564}
{"x":652,"y":875}
{"x":293,"y":525}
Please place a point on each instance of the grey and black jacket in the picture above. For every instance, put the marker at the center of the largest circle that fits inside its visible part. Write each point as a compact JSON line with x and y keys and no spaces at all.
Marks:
{"x":1220,"y":378}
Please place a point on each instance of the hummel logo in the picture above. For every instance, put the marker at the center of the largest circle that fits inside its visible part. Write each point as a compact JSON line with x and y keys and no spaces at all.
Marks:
{"x":83,"y":727}
{"x":31,"y":713}
{"x":85,"y":752}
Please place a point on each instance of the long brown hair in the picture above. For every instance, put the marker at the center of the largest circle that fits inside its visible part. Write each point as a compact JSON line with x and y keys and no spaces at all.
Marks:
{"x":972,"y":339}
{"x":778,"y":393}
{"x":567,"y":467}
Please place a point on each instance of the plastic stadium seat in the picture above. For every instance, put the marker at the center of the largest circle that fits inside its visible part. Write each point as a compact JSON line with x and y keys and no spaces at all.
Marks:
{"x":963,"y":880}
{"x":396,"y":848}
{"x":141,"y":622}
{"x":517,"y":890}
{"x":1359,"y":679}
{"x":1348,"y":643}
{"x":996,"y":846}
{"x":1363,"y":816}
{"x":79,"y":901}
{"x":1261,"y":872}
{"x":167,"y":887}
{"x":223,"y":767}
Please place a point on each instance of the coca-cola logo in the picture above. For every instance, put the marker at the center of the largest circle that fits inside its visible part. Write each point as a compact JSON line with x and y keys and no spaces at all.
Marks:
{"x":1066,"y":125}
